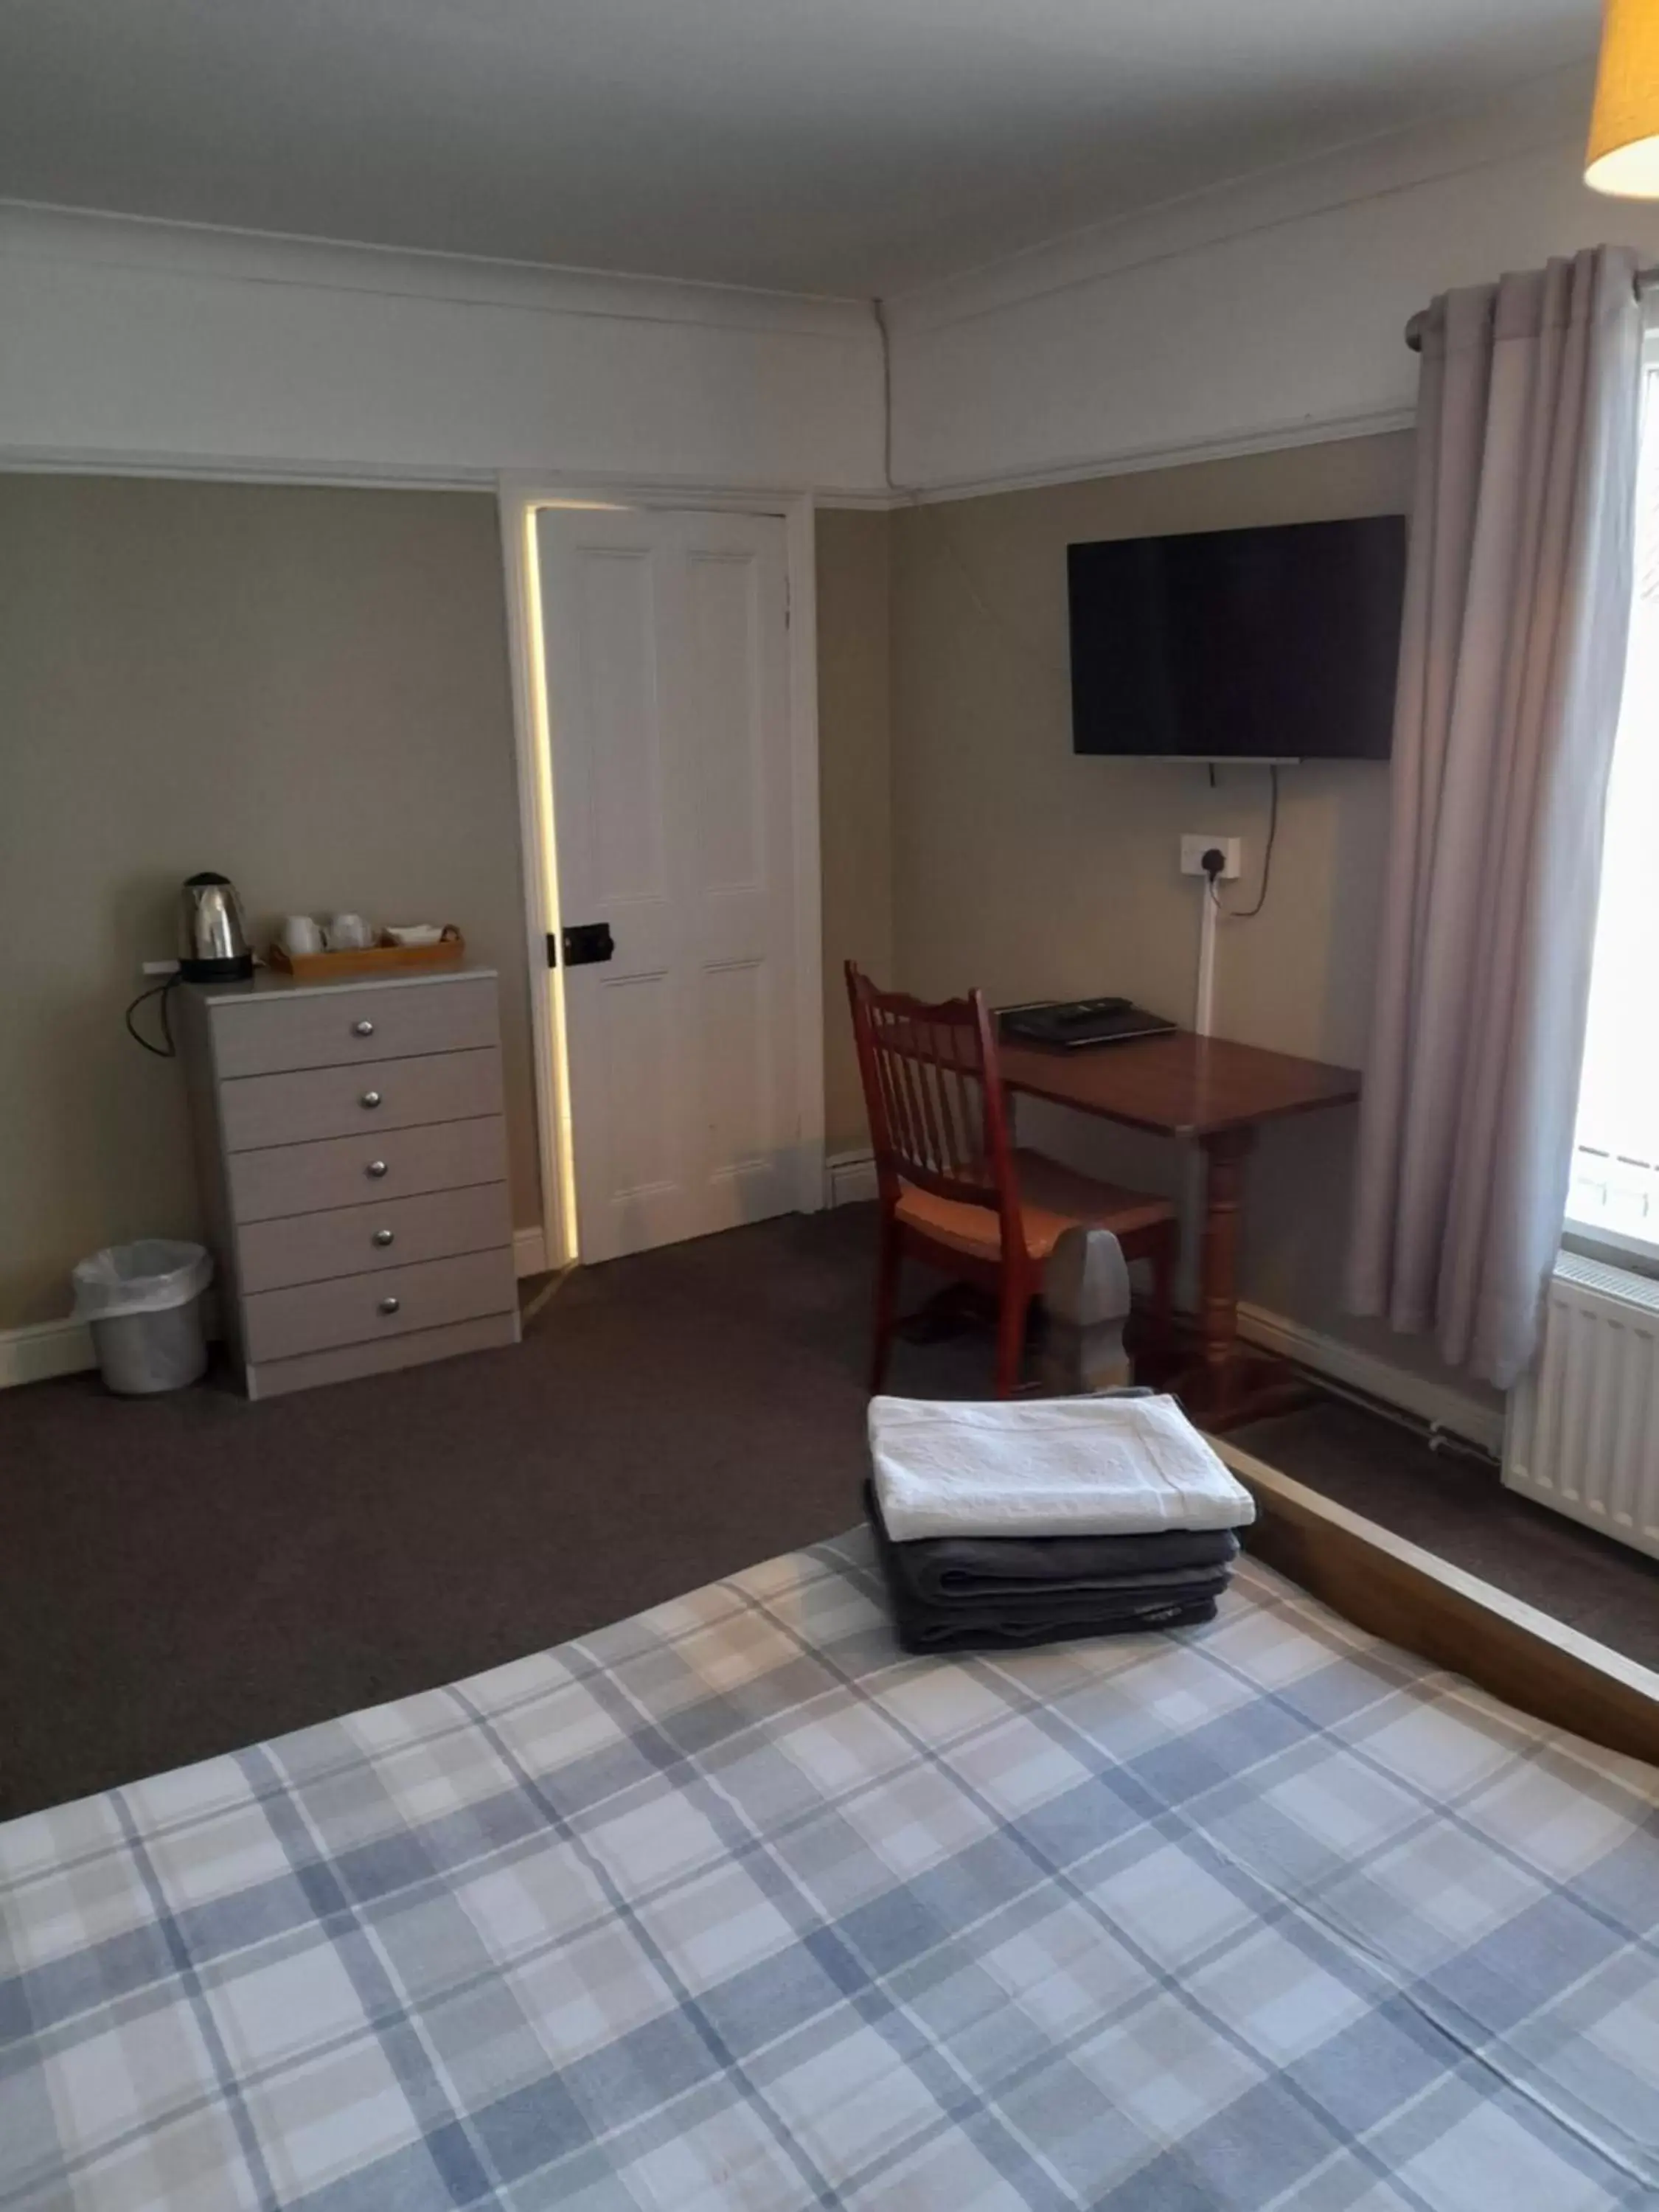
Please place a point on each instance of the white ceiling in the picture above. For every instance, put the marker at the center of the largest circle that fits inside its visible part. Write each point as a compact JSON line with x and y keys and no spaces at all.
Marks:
{"x":856,"y":147}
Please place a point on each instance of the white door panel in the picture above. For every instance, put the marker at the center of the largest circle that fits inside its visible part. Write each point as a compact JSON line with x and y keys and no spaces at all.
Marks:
{"x":664,"y":647}
{"x":626,"y":836}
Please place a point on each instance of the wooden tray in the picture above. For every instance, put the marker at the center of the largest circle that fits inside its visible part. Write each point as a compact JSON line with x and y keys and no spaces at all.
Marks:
{"x":371,"y":960}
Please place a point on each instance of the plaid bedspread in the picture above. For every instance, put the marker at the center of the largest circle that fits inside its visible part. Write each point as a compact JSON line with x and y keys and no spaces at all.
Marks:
{"x":732,"y":1906}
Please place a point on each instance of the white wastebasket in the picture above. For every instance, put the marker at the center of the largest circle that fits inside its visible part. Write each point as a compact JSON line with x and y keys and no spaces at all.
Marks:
{"x":143,"y":1304}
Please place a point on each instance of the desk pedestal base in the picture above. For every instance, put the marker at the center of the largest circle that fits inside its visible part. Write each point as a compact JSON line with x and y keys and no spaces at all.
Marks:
{"x":1072,"y":1358}
{"x":1253,"y":1385}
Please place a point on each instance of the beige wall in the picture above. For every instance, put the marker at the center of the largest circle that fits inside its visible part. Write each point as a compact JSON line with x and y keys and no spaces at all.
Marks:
{"x":1019,"y":867}
{"x":855,"y":789}
{"x":306,"y":688}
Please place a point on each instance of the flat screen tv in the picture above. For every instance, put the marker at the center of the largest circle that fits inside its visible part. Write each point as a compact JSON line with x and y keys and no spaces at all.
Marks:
{"x":1272,"y":644}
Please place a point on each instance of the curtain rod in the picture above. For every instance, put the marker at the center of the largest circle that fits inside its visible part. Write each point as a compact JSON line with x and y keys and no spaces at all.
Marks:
{"x":1646,"y":280}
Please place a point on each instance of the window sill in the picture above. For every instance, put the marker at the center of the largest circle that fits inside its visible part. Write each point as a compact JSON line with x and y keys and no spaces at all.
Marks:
{"x":1636,"y":1255}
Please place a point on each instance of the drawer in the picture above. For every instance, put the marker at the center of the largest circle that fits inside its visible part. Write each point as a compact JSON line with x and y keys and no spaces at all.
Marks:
{"x":376,"y":1164}
{"x":342,"y":1362}
{"x":270,"y":1032}
{"x":351,"y":1240}
{"x":335,"y":1102}
{"x":364,"y":1308}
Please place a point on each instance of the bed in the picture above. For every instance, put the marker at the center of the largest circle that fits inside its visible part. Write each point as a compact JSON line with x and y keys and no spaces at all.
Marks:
{"x":731,"y":1905}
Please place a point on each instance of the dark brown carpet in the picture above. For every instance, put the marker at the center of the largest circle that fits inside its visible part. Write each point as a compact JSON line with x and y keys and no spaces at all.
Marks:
{"x":1456,"y":1506}
{"x":183,"y":1575}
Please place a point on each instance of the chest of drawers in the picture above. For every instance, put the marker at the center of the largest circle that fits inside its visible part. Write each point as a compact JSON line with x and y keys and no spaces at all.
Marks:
{"x":354,"y":1163}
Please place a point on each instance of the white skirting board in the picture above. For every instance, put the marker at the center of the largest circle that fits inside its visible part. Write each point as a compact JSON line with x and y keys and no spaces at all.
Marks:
{"x":851,"y":1176}
{"x":46,"y":1348}
{"x":529,"y":1252}
{"x":42,"y":1350}
{"x":1436,"y":1403}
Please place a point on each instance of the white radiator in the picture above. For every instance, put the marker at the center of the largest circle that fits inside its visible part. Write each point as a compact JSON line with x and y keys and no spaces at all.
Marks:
{"x":1582,"y":1433}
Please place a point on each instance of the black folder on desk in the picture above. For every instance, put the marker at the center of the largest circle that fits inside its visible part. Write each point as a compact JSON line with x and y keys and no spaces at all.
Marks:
{"x":1072,"y":1025}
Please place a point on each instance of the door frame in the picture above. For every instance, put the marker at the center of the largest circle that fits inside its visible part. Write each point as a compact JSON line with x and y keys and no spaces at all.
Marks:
{"x":520,"y":498}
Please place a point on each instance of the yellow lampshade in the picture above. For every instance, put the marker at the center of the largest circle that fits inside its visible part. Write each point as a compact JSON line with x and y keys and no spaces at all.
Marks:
{"x":1624,"y":140}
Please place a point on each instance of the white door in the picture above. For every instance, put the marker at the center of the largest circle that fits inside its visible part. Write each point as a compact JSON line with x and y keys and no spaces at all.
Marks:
{"x":664,"y":640}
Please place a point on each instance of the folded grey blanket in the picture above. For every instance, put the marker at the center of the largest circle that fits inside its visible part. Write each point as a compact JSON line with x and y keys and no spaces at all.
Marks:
{"x":928,"y":1633}
{"x":1032,"y":1612}
{"x":974,"y":1567}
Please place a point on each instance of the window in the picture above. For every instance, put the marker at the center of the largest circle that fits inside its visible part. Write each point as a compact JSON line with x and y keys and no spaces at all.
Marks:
{"x":1614,"y":1195}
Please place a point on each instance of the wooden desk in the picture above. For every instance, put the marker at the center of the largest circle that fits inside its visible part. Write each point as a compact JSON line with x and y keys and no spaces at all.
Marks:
{"x":1216,"y":1094}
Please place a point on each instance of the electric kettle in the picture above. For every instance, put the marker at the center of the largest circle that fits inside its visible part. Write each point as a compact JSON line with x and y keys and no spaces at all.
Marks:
{"x":214,"y":947}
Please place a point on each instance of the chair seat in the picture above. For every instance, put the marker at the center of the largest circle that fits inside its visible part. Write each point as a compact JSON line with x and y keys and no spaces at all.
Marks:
{"x":1053,"y":1199}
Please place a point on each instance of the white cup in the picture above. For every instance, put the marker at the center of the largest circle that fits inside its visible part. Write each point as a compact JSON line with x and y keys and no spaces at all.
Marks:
{"x":349,"y":933}
{"x":299,"y":933}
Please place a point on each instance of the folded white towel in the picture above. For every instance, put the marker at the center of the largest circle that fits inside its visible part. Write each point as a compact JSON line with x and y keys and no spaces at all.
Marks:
{"x":1046,"y":1466}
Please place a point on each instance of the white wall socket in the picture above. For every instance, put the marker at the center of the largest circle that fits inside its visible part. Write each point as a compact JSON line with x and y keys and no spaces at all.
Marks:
{"x":1194,"y":846}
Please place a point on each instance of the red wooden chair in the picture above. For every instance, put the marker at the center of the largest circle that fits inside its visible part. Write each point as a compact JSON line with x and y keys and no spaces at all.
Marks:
{"x":954,"y":1191}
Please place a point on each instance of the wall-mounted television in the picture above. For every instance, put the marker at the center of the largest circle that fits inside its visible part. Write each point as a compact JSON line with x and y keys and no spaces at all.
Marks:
{"x":1267,"y":644}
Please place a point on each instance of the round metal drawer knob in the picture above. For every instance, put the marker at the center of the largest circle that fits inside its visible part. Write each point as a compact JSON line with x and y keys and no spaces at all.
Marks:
{"x":383,"y":1237}
{"x":390,"y":1305}
{"x":362,"y":1029}
{"x":375,"y":1167}
{"x":370,"y":1098}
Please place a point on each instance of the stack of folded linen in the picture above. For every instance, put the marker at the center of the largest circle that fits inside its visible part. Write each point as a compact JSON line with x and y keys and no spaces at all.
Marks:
{"x":1030,"y":1521}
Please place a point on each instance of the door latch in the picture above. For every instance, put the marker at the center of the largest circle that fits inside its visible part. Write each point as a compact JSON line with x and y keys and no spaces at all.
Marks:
{"x":581,"y":945}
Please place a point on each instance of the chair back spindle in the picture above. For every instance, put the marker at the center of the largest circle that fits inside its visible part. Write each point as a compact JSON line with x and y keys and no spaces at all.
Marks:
{"x":937,"y":1119}
{"x":956,"y":1195}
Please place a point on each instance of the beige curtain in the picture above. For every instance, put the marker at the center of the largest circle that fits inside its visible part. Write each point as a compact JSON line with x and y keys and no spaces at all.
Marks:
{"x":1517,"y":602}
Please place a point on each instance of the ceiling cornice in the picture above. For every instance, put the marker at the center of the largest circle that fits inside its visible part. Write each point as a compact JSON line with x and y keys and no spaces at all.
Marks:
{"x":205,"y":252}
{"x":1541,"y":112}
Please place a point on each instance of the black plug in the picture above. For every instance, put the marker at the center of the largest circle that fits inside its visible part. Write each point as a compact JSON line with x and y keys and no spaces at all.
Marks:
{"x":1212,"y":861}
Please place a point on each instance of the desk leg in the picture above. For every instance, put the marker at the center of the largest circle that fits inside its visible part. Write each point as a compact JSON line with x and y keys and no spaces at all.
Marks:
{"x":1224,"y":1155}
{"x":1231,"y":1384}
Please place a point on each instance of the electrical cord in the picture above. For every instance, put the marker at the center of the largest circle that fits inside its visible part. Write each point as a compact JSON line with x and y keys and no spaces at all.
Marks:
{"x":887,"y":336}
{"x":1249,"y":913}
{"x":167,"y":1049}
